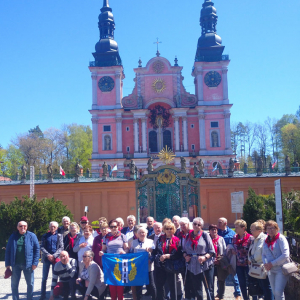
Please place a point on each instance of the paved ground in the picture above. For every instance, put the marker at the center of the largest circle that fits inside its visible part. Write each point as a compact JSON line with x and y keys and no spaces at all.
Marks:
{"x":5,"y":289}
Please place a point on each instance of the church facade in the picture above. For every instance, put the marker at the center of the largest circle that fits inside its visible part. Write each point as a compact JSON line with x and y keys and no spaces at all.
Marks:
{"x":160,"y":112}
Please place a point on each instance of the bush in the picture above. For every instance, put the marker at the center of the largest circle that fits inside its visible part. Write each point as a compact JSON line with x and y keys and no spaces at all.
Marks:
{"x":37,"y":214}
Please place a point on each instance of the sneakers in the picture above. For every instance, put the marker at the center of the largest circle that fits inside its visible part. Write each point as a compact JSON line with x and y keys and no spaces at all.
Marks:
{"x":217,"y":297}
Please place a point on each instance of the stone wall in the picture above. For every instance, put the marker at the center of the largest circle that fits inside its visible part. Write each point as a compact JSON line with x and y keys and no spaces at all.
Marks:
{"x":292,"y":289}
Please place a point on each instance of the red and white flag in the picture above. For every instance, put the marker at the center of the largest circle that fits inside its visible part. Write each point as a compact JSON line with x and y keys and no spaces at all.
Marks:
{"x":274,"y":164}
{"x":61,"y":171}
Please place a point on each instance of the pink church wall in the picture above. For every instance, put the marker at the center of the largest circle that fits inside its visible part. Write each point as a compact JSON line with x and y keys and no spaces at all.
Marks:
{"x":213,"y":93}
{"x":220,"y":130}
{"x":193,"y":133}
{"x":128,"y":136}
{"x":106,"y":98}
{"x":112,"y":122}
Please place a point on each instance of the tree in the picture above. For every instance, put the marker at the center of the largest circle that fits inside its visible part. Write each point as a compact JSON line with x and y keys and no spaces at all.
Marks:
{"x":250,"y":135}
{"x":291,"y":141}
{"x":12,"y":160}
{"x":36,"y":132}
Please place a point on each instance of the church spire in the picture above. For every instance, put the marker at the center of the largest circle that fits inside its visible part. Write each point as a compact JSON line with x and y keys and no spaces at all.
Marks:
{"x":107,"y":51}
{"x":209,"y":44}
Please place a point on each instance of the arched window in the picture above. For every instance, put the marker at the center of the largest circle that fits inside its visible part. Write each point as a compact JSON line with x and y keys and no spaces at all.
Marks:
{"x":167,"y":139}
{"x":153,"y":141}
{"x":214,"y":139}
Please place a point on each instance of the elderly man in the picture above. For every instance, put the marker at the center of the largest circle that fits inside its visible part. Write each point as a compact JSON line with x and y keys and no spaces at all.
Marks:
{"x":65,"y":228}
{"x":228,"y":234}
{"x":66,"y":271}
{"x":22,"y":254}
{"x":175,"y":221}
{"x":157,"y":228}
{"x":150,"y":223}
{"x":51,"y":247}
{"x":83,"y":222}
{"x":128,"y":231}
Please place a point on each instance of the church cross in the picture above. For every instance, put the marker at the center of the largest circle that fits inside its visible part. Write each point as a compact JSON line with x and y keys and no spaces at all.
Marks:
{"x":157,"y":43}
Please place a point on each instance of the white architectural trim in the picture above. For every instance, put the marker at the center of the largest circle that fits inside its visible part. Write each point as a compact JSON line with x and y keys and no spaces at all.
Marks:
{"x":95,"y":134}
{"x":164,"y":100}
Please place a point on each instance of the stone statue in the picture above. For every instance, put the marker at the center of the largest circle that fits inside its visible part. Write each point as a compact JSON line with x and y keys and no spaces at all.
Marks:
{"x":150,"y":164}
{"x":77,"y":170}
{"x":24,"y":172}
{"x":270,"y":167}
{"x":259,"y":168}
{"x":231,"y":164}
{"x":104,"y":169}
{"x":40,"y":174}
{"x":215,"y":139}
{"x":107,"y":142}
{"x":50,"y":173}
{"x":196,"y":171}
{"x":132,"y":167}
{"x":245,"y":168}
{"x":201,"y":166}
{"x":296,"y":166}
{"x":17,"y":176}
{"x":88,"y":173}
{"x":183,"y":163}
{"x":287,"y":166}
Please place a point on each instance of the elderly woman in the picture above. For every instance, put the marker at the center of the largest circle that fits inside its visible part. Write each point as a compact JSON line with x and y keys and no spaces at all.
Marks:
{"x":167,"y":247}
{"x":275,"y":254}
{"x":91,"y":279}
{"x":71,"y":239}
{"x":85,"y":243}
{"x":198,"y":253}
{"x":120,"y":223}
{"x":143,"y":244}
{"x":241,"y":243}
{"x":98,"y":243}
{"x":135,"y":230}
{"x":255,"y":256}
{"x":220,"y":248}
{"x":115,"y":242}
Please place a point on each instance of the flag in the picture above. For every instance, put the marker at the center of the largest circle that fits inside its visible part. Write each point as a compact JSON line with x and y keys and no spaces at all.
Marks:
{"x":61,"y":171}
{"x":274,"y":164}
{"x":126,"y":269}
{"x":216,"y":167}
{"x":115,"y":168}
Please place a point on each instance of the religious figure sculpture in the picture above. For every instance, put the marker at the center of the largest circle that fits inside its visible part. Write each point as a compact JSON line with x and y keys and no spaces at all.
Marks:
{"x":17,"y":176}
{"x":150,"y":164}
{"x":196,"y":171}
{"x":178,"y":100}
{"x":88,"y":173}
{"x":230,"y":167}
{"x":132,"y":167}
{"x":296,"y":166}
{"x":215,"y":139}
{"x":201,"y":166}
{"x":104,"y":169}
{"x":140,"y":102}
{"x":24,"y":172}
{"x":183,"y":164}
{"x":245,"y":168}
{"x":50,"y":173}
{"x":259,"y":168}
{"x":287,"y":166}
{"x":107,"y":142}
{"x":77,"y":170}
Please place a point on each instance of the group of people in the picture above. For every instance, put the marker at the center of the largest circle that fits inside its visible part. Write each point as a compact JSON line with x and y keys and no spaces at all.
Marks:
{"x":74,"y":252}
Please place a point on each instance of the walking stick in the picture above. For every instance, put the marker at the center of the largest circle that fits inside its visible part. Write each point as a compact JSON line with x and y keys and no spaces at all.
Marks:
{"x":206,"y":287}
{"x":186,"y":268}
{"x":175,"y":279}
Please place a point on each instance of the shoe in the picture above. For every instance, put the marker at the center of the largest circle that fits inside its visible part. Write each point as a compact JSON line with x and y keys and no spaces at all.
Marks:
{"x":238,"y":298}
{"x":217,"y":297}
{"x":42,"y":298}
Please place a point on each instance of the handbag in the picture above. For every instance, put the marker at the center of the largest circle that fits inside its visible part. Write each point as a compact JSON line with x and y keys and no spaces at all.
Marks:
{"x":257,"y":271}
{"x":289,"y":268}
{"x":254,"y":288}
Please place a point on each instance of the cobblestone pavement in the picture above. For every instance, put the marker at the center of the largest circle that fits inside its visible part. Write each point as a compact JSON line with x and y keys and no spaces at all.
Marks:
{"x":5,"y":289}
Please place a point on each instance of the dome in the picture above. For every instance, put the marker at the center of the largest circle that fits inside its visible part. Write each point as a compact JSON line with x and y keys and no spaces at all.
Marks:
{"x":105,"y":45}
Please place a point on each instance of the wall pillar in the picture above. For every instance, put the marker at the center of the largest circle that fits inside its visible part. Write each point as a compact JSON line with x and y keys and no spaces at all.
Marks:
{"x":185,"y":134}
{"x":144,"y":135}
{"x":94,"y":90}
{"x":200,"y":85}
{"x":176,"y":126}
{"x":225,"y":84}
{"x":227,"y":130}
{"x":136,"y":135}
{"x":201,"y":117}
{"x":118,"y":89}
{"x":119,"y":135}
{"x":95,"y":134}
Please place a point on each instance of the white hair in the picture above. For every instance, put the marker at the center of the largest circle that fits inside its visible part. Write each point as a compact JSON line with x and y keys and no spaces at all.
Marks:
{"x":175,"y":217}
{"x":158,"y":224}
{"x":120,"y":220}
{"x":142,"y":229}
{"x":131,"y":217}
{"x":200,"y":220}
{"x":223,"y":220}
{"x":54,"y":223}
{"x":149,"y":218}
{"x":184,"y":220}
{"x":66,"y":218}
{"x":23,"y":222}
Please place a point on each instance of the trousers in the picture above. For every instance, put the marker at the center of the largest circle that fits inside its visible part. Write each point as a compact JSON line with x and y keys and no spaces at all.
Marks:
{"x":15,"y":279}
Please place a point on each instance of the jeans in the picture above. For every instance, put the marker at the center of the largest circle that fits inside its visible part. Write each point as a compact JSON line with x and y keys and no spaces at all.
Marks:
{"x":15,"y":279}
{"x":82,"y":288}
{"x":46,"y":268}
{"x":161,"y":277}
{"x":64,"y":288}
{"x":197,"y":281}
{"x":266,"y":287}
{"x":278,"y":282}
{"x":220,"y":284}
{"x":236,"y":284}
{"x":242,"y":273}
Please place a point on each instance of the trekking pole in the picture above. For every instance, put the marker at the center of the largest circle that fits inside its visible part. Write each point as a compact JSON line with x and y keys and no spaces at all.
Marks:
{"x":175,"y":279}
{"x":206,"y":286}
{"x":186,"y":268}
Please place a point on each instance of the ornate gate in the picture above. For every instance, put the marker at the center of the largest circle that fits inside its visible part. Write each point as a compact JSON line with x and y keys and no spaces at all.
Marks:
{"x":166,"y":192}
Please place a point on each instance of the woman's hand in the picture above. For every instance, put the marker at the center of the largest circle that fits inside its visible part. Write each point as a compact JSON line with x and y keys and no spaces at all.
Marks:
{"x":82,"y":245}
{"x":201,"y":259}
{"x":78,"y":280}
{"x":122,"y":252}
{"x":101,"y":253}
{"x":187,"y":258}
{"x":268,"y":266}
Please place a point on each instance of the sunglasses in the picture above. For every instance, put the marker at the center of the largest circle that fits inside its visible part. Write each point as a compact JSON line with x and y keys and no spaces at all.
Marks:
{"x":85,"y":256}
{"x":197,"y":224}
{"x":113,"y":227}
{"x":83,"y":222}
{"x":169,"y":228}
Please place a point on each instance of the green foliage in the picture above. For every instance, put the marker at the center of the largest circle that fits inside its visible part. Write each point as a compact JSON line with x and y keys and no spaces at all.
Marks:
{"x":36,"y":132}
{"x":37,"y":214}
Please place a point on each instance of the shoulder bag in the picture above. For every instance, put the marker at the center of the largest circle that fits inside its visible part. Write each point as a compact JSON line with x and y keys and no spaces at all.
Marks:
{"x":257,"y":271}
{"x":289,"y":268}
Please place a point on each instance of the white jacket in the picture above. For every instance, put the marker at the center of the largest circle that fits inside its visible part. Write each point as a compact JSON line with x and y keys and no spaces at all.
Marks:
{"x":256,"y":247}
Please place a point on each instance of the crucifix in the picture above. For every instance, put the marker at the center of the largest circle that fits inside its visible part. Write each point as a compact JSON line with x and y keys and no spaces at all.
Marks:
{"x":157,"y":42}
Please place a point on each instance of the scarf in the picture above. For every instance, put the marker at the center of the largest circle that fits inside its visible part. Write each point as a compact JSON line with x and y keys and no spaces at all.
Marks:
{"x":240,"y":242}
{"x":194,"y":239}
{"x":215,"y":243}
{"x":71,"y":240}
{"x":112,"y":237}
{"x":271,"y":241}
{"x":173,"y":244}
{"x":182,"y":235}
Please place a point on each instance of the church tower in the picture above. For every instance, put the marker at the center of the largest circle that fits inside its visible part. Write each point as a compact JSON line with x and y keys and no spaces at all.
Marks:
{"x":211,"y":86}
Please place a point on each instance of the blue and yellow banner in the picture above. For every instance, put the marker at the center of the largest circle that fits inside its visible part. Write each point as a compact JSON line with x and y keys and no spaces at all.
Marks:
{"x":126,"y":269}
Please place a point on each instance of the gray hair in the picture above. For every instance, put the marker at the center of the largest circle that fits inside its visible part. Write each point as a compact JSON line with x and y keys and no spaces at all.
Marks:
{"x":142,"y":229}
{"x":120,"y":220}
{"x":176,"y":217}
{"x":74,"y":224}
{"x":223,"y":219}
{"x":66,"y":218}
{"x":136,"y":228}
{"x":158,"y":224}
{"x":89,"y":253}
{"x":149,"y":218}
{"x":54,"y":223}
{"x":200,"y":220}
{"x":184,"y":220}
{"x":23,"y":222}
{"x":131,"y":217}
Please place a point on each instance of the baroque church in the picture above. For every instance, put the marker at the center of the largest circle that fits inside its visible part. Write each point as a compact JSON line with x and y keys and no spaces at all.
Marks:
{"x":160,"y":112}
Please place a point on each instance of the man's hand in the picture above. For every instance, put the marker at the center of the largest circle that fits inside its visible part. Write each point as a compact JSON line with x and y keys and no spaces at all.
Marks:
{"x":50,"y":257}
{"x":101,"y":253}
{"x":33,"y":267}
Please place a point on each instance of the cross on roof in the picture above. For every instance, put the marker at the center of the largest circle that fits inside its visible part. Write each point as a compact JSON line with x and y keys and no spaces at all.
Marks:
{"x":157,"y":42}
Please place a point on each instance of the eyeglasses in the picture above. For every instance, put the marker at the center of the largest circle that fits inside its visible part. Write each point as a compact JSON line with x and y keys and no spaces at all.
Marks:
{"x":169,"y":228}
{"x":83,"y":222}
{"x":112,"y":227}
{"x":22,"y":225}
{"x":85,"y":256}
{"x":197,"y":224}
{"x":271,"y":228}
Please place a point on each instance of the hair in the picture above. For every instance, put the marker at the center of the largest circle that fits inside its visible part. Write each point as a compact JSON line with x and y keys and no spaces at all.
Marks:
{"x":263,"y":222}
{"x":23,"y":222}
{"x":200,"y":220}
{"x":89,"y":227}
{"x":112,"y":221}
{"x":223,"y":219}
{"x":136,"y":228}
{"x":272,"y":223}
{"x":64,"y":252}
{"x":241,"y":223}
{"x":131,"y":217}
{"x":184,"y":220}
{"x":175,"y":217}
{"x":75,"y":225}
{"x":168,"y":224}
{"x":148,"y":218}
{"x":212,"y":226}
{"x":90,"y":253}
{"x":102,"y":219}
{"x":258,"y":226}
{"x":104,"y":225}
{"x":118,"y":220}
{"x":142,"y":229}
{"x":166,"y":220}
{"x":54,"y":223}
{"x":157,"y":224}
{"x":67,"y":218}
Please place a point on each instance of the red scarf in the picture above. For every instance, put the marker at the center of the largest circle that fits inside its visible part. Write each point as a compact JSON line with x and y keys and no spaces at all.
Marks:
{"x":240,"y":242}
{"x":98,"y":230}
{"x":194,"y":239}
{"x":271,"y":241}
{"x":71,"y":240}
{"x":173,"y":243}
{"x":112,"y":237}
{"x":215,"y":243}
{"x":182,"y":235}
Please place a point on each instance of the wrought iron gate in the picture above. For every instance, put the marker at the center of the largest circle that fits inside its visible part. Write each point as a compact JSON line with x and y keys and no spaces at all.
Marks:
{"x":167,"y":192}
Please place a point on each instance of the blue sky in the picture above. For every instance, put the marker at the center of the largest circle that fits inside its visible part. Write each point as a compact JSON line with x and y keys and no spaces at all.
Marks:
{"x":46,"y":47}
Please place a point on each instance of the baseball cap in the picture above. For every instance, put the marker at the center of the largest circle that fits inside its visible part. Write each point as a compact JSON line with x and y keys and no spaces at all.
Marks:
{"x":84,"y":219}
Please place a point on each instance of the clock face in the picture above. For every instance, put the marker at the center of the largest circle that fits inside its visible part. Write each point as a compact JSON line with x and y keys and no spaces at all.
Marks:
{"x":106,"y":84}
{"x":212,"y":79}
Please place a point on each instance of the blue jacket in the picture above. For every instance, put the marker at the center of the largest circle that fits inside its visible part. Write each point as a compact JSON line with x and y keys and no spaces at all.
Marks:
{"x":32,"y":250}
{"x":227,"y":234}
{"x":59,"y":246}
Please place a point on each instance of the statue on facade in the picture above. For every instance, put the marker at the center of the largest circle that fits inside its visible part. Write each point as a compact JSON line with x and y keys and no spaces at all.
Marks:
{"x":24,"y":172}
{"x":107,"y":142}
{"x":196,"y":171}
{"x":287,"y":166}
{"x":132,"y":167}
{"x":230,"y":167}
{"x":88,"y":173}
{"x":150,"y":164}
{"x":296,"y":166}
{"x":104,"y":169}
{"x":201,"y":166}
{"x":50,"y":173}
{"x":17,"y":176}
{"x":183,"y":164}
{"x":259,"y":169}
{"x":77,"y":170}
{"x":245,"y":168}
{"x":40,"y":174}
{"x":215,"y":139}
